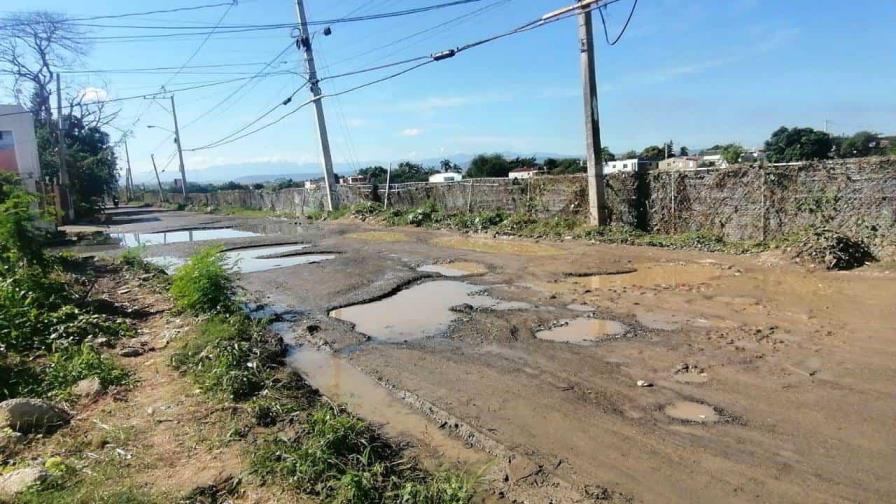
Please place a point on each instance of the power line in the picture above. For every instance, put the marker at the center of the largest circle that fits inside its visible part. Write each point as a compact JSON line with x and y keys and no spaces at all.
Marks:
{"x":624,"y":27}
{"x":201,"y":45}
{"x":152,"y":69}
{"x":131,"y":14}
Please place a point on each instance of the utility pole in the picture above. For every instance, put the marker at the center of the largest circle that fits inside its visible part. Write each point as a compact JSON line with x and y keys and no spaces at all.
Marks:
{"x":305,"y":43}
{"x":597,"y":206}
{"x":388,"y":181}
{"x":159,"y":182}
{"x":180,"y":152}
{"x":64,"y":180}
{"x":128,"y":180}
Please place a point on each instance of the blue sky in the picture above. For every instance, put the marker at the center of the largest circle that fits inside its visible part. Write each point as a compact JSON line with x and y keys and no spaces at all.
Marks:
{"x":698,"y":72}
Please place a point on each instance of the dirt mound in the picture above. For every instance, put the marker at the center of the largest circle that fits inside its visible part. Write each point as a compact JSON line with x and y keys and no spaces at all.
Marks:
{"x":831,"y":249}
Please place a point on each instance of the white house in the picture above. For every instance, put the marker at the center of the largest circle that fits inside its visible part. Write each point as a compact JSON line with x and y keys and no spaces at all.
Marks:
{"x":445,"y":177}
{"x":629,"y":165}
{"x":524,"y":173}
{"x":18,"y":145}
{"x":680,"y":163}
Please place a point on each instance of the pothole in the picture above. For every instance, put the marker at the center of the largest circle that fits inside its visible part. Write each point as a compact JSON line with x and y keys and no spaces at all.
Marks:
{"x":421,"y":311}
{"x":582,"y":331}
{"x":580,"y":307}
{"x":496,"y":246}
{"x":383,"y":236}
{"x":652,"y":275}
{"x":455,"y":269}
{"x":690,"y":411}
{"x":253,"y":260}
{"x":189,"y":235}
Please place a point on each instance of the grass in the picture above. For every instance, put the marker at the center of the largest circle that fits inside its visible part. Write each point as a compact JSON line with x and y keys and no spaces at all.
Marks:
{"x":65,"y":369}
{"x":229,"y":356}
{"x":205,"y":284}
{"x":103,"y":483}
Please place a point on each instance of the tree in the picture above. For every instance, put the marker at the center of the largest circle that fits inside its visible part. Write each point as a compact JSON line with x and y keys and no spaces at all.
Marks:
{"x":683,"y":151}
{"x":374,"y":174}
{"x":565,"y":166}
{"x":629,"y":155}
{"x":607,"y":155}
{"x":669,"y":149}
{"x":33,"y":45}
{"x":861,"y":144}
{"x":732,"y":153}
{"x":447,"y":166}
{"x":488,"y":165}
{"x":519,"y":162}
{"x":652,"y":153}
{"x":787,"y":145}
{"x":410,"y":172}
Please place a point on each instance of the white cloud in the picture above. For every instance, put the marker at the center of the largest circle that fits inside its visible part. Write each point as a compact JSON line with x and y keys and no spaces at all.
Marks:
{"x":93,"y":94}
{"x":442,"y":102}
{"x":411,"y":132}
{"x":355,"y":122}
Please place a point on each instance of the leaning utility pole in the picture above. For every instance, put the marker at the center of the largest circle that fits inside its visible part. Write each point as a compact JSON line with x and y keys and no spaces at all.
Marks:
{"x":158,"y":181}
{"x":304,"y":42}
{"x":597,"y":206}
{"x":180,"y":152}
{"x":128,"y":180}
{"x":64,"y":180}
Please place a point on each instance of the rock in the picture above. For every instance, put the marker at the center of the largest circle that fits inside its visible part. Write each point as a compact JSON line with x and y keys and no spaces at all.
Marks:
{"x":131,"y":352}
{"x":32,"y":415}
{"x":9,"y":440}
{"x":16,"y":482}
{"x":644,"y":383}
{"x":463,"y":308}
{"x":88,"y":388}
{"x":312,"y":329}
{"x":520,"y":468}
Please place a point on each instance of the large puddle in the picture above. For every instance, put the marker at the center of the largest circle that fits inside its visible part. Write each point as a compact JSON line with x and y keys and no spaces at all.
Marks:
{"x":496,"y":246}
{"x":191,"y":235}
{"x":345,"y":384}
{"x":583,"y":331}
{"x":252,"y":260}
{"x":421,"y":311}
{"x":652,"y":275}
{"x":455,"y":269}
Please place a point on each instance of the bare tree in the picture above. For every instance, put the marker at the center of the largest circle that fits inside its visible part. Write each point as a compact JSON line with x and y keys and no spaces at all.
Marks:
{"x":34,"y":46}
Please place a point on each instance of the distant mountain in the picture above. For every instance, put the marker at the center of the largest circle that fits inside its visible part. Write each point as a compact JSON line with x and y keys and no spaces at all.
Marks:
{"x":251,"y":173}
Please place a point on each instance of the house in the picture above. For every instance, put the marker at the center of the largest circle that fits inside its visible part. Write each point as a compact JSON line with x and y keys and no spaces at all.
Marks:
{"x":18,"y":145}
{"x":354,"y":180}
{"x":526,"y":172}
{"x":445,"y":177}
{"x":629,"y":165}
{"x":712,"y":159}
{"x":680,"y":163}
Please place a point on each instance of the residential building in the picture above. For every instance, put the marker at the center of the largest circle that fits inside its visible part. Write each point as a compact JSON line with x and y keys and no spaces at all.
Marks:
{"x":445,"y":177}
{"x":525,"y":172}
{"x":354,"y":180}
{"x":18,"y":145}
{"x":629,"y":165}
{"x":680,"y":163}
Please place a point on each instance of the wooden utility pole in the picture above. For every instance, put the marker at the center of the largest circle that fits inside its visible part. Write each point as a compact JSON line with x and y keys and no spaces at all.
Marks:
{"x":128,"y":178}
{"x":158,"y":181}
{"x":64,"y":179}
{"x":180,"y":152}
{"x":597,"y":205}
{"x":305,"y":43}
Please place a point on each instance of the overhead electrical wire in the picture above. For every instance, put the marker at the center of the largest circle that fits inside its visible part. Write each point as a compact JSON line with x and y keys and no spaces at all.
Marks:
{"x":201,"y":45}
{"x":130,"y":14}
{"x":624,"y":27}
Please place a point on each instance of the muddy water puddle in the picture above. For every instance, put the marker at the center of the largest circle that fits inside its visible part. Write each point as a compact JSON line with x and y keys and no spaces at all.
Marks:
{"x":345,"y":384}
{"x":583,"y":331}
{"x":381,"y":236}
{"x":690,"y":411}
{"x":455,"y":269}
{"x":578,"y":307}
{"x":190,"y":235}
{"x":654,"y":275}
{"x":496,"y":246}
{"x":256,"y":259}
{"x":420,"y":311}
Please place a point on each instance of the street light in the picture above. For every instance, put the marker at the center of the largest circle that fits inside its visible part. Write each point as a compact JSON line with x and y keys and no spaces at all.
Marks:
{"x":150,"y":126}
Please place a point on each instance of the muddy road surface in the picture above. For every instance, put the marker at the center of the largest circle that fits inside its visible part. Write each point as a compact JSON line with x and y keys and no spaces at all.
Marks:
{"x":585,"y":371}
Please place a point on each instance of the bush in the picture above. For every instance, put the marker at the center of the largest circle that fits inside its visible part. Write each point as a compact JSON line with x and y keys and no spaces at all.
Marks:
{"x":204,"y":284}
{"x":443,"y":488}
{"x":832,"y":250}
{"x":231,"y":356}
{"x":68,"y":367}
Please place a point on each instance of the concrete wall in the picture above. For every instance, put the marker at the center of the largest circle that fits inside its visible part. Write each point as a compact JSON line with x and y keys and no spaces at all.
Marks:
{"x":740,"y":202}
{"x":15,"y":119}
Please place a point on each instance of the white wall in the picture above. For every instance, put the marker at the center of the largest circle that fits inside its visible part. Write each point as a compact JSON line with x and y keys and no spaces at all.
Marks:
{"x":22,"y":126}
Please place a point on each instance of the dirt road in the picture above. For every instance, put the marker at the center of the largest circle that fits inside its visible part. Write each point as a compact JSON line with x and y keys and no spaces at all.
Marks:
{"x":614,"y":372}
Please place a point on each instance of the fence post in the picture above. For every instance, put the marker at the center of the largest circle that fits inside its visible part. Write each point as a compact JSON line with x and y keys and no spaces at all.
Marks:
{"x":764,"y":209}
{"x":470,"y":197}
{"x":674,"y":184}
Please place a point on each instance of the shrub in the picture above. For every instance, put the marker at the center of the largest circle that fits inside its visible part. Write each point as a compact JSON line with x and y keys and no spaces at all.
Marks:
{"x":832,"y":250}
{"x":230,"y":355}
{"x":72,"y":365}
{"x":204,"y":284}
{"x":443,"y":488}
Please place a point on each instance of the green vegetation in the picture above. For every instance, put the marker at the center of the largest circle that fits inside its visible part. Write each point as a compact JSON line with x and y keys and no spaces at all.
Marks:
{"x":798,"y":144}
{"x":732,"y":153}
{"x":204,"y":284}
{"x":68,"y":367}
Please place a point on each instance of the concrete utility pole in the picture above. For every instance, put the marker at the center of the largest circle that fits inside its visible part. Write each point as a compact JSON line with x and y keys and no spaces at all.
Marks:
{"x":128,"y":181}
{"x":305,"y":42}
{"x":180,"y":152}
{"x":64,"y":180}
{"x":158,"y":181}
{"x":388,"y":181}
{"x":597,"y":205}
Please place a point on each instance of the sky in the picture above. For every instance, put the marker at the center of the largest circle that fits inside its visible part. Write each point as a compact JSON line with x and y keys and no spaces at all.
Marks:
{"x":697,"y":72}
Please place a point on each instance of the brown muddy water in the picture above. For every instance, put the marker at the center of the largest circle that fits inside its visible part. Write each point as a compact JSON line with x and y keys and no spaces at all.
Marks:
{"x":656,"y":274}
{"x":583,"y":331}
{"x":690,"y":411}
{"x":420,"y":311}
{"x":496,"y":246}
{"x":455,"y":269}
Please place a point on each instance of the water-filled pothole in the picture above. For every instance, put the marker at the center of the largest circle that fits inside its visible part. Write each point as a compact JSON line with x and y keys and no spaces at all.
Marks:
{"x":188,"y":235}
{"x":580,"y":307}
{"x":253,"y":260}
{"x":650,"y":275}
{"x":582,"y":331}
{"x":421,"y":311}
{"x":690,"y":411}
{"x":455,"y":269}
{"x":496,"y":246}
